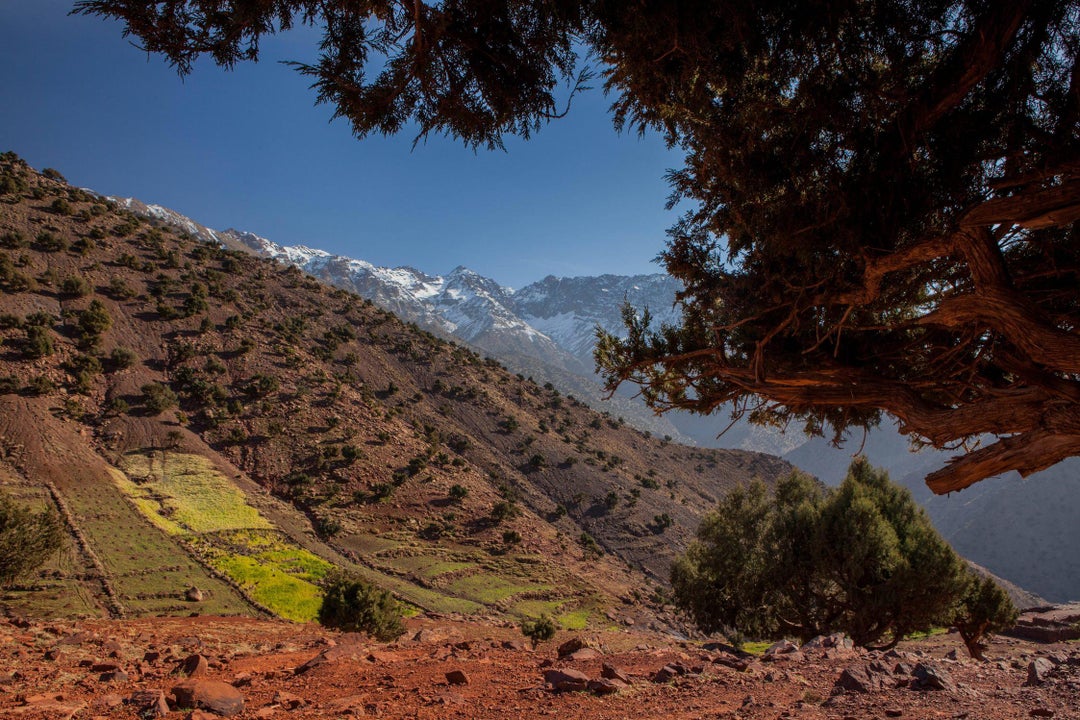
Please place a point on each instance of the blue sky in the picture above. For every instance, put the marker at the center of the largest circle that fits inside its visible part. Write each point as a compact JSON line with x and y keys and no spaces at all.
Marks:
{"x":249,"y":149}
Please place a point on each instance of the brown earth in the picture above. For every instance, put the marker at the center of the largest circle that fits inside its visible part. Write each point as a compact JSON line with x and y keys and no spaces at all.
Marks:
{"x":63,"y":669}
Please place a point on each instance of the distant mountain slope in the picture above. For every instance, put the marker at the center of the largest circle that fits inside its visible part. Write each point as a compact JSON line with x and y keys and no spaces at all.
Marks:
{"x":215,"y":419}
{"x":547,"y":330}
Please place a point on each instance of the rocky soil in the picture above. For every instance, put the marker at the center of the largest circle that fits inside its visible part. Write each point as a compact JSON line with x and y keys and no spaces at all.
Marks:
{"x":204,"y":667}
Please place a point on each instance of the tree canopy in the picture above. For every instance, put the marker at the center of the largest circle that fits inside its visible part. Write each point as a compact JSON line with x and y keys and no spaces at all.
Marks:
{"x":883,"y":195}
{"x":26,"y":539}
{"x":862,"y":558}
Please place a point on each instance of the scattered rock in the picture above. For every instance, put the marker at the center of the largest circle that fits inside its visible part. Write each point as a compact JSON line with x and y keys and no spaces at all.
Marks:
{"x":287,"y":701}
{"x":113,"y":676}
{"x":201,"y":715}
{"x":930,"y":677}
{"x":213,"y":695}
{"x":585,"y":653}
{"x":669,"y":672}
{"x":194,"y":594}
{"x":1039,"y":671}
{"x":571,"y":646}
{"x":108,"y":702}
{"x":605,"y":686}
{"x":610,"y":672}
{"x":864,"y":679}
{"x":333,"y":654}
{"x":567,"y":680}
{"x":150,"y":703}
{"x":781,"y":647}
{"x":457,"y":677}
{"x":194,"y":666}
{"x":894,"y":712}
{"x":1041,"y":712}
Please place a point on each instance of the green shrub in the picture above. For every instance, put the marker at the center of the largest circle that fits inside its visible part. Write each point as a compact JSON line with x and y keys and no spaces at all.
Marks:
{"x":40,"y":385}
{"x":862,"y":559}
{"x":75,"y":286}
{"x":122,"y":358}
{"x":119,"y":289}
{"x":13,"y":240}
{"x":504,"y":510}
{"x":158,"y":398}
{"x":49,"y":242}
{"x":538,"y":630}
{"x":26,"y":539}
{"x":352,"y":605}
{"x":984,"y":609}
{"x":94,"y":320}
{"x":39,"y":342}
{"x":60,"y":206}
{"x":458,"y":492}
{"x":116,"y":406}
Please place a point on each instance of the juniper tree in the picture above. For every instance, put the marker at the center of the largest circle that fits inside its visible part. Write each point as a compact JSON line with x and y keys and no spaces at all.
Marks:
{"x":26,"y":539}
{"x":883,"y":197}
{"x":803,"y":561}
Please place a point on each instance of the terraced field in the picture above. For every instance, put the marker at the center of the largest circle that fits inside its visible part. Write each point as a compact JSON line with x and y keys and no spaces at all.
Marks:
{"x":186,"y":497}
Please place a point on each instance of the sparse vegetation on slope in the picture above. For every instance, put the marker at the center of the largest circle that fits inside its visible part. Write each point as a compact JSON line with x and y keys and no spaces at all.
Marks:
{"x":246,"y":401}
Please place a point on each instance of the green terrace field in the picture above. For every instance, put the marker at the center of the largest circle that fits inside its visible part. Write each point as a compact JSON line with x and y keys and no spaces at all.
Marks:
{"x":186,"y":497}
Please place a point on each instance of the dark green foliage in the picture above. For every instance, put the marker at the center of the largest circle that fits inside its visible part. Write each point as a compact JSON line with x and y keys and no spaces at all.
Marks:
{"x":661,"y":522}
{"x":984,"y":609}
{"x":75,"y":287}
{"x":157,"y":398}
{"x":95,"y":320}
{"x":511,"y":537}
{"x":39,"y":342}
{"x":50,"y":242}
{"x":458,"y":492}
{"x":60,"y":206}
{"x":116,"y":406}
{"x":504,"y":510}
{"x":352,"y":605}
{"x":13,"y":240}
{"x":26,"y":539}
{"x":122,"y":358}
{"x":40,"y":385}
{"x":53,"y":174}
{"x":538,"y":630}
{"x":589,"y":545}
{"x":861,"y":559}
{"x":84,"y":364}
{"x":119,"y":289}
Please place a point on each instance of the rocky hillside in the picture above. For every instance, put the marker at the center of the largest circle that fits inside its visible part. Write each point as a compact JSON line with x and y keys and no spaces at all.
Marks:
{"x":546,"y":330}
{"x":205,"y":418}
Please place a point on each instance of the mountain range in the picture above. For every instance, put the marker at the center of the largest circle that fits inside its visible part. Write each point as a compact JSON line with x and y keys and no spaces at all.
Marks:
{"x":219,"y":431}
{"x":547,"y":330}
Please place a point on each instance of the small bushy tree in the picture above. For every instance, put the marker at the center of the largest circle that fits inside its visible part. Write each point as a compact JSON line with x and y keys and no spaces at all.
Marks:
{"x":352,"y":605}
{"x":26,"y":539}
{"x":158,"y":398}
{"x":538,"y":630}
{"x":984,"y":610}
{"x":862,"y":558}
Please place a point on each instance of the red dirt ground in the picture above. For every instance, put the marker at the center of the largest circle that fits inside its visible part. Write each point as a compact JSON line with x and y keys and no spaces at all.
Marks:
{"x":54,"y":669}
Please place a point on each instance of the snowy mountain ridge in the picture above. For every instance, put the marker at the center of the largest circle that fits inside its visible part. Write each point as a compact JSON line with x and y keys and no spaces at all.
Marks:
{"x":553,"y":320}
